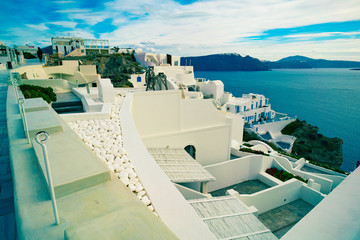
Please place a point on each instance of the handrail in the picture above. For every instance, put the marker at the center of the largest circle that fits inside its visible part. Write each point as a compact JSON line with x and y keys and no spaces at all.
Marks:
{"x":23,"y":117}
{"x":41,"y":137}
{"x":20,"y":102}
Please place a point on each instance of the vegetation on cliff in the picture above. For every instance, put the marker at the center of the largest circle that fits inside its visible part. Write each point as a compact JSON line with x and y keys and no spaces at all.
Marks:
{"x":314,"y":146}
{"x":117,"y":67}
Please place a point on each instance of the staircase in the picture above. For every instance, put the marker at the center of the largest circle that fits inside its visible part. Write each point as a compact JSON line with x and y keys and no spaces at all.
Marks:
{"x":67,"y":103}
{"x":68,"y":107}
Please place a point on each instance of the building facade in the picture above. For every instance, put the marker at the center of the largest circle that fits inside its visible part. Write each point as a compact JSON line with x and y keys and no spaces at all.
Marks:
{"x":76,"y":46}
{"x":253,"y":107}
{"x":154,"y":59}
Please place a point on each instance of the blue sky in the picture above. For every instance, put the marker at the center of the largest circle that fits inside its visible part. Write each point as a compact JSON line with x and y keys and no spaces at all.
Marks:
{"x":266,"y":29}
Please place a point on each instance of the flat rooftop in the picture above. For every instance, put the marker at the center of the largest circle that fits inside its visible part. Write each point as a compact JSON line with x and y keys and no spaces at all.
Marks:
{"x":247,"y":187}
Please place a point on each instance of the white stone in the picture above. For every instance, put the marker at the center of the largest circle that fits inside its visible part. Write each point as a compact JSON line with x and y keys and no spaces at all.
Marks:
{"x":132,"y":187}
{"x":146,"y":200}
{"x":141,"y":193}
{"x":125,"y":180}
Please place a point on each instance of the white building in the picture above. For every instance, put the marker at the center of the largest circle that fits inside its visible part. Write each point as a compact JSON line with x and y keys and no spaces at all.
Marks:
{"x":252,"y":107}
{"x":8,"y":57}
{"x":76,"y":46}
{"x":154,"y":59}
{"x":127,"y":50}
{"x":27,"y":48}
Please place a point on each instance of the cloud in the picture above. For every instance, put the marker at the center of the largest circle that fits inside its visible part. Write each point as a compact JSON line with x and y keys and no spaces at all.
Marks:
{"x":211,"y":26}
{"x":40,"y":27}
{"x":323,"y":34}
{"x":66,"y":24}
{"x":63,"y":2}
{"x":75,"y":10}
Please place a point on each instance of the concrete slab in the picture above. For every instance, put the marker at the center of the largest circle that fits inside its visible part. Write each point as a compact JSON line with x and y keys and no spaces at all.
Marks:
{"x":73,"y":165}
{"x":281,"y":218}
{"x":335,"y":217}
{"x":35,"y":104}
{"x":34,"y":215}
{"x":247,"y":187}
{"x":44,"y":120}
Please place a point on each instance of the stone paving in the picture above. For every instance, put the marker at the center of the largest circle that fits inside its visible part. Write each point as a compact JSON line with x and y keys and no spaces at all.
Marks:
{"x":7,"y":216}
{"x":280,"y":220}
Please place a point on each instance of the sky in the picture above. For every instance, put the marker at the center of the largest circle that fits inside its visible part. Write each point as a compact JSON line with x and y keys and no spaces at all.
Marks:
{"x":265,"y":29}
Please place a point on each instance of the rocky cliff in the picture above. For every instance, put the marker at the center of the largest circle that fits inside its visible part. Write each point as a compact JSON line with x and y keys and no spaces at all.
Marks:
{"x":314,"y":146}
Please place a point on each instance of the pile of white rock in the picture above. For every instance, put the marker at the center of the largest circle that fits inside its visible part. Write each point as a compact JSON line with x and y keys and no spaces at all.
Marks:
{"x":104,"y":138}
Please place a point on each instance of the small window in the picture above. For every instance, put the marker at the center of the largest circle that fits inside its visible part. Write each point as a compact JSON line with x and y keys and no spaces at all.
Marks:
{"x":138,"y":79}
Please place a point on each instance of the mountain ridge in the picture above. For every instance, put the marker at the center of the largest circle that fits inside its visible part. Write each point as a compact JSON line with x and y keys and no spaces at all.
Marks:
{"x":225,"y":62}
{"x":236,"y":62}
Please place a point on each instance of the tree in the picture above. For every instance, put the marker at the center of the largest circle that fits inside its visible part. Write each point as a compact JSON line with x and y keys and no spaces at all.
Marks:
{"x":116,"y":49}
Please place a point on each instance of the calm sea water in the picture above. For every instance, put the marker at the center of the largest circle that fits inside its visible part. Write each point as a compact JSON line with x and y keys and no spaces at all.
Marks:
{"x":327,"y":98}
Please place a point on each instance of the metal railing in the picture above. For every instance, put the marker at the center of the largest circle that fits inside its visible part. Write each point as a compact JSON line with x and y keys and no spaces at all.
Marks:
{"x":41,"y":138}
{"x":21,"y":102}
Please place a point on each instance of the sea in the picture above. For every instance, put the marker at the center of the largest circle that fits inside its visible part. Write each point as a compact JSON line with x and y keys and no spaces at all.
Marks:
{"x":328,"y":98}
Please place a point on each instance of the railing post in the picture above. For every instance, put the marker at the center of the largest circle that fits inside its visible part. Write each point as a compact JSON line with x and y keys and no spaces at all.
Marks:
{"x":14,"y":83}
{"x":23,"y":117}
{"x":41,"y":138}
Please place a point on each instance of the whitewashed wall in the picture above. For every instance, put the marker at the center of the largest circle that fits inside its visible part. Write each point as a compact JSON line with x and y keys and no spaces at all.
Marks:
{"x":238,"y":170}
{"x":279,"y":195}
{"x":164,"y":119}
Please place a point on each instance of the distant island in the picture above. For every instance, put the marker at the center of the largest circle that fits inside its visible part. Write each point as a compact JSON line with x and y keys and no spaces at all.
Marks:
{"x":236,"y":62}
{"x":225,"y":62}
{"x":305,"y":62}
{"x":356,"y":69}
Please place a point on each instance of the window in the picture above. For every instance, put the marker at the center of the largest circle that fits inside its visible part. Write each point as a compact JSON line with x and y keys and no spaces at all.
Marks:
{"x":256,"y":105}
{"x":237,"y":109}
{"x":176,"y":63}
{"x":138,"y":79}
{"x":252,"y":106}
{"x":244,"y":108}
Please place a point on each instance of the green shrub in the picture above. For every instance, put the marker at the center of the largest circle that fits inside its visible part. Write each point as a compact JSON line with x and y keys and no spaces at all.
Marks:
{"x":31,"y":91}
{"x":249,"y":150}
{"x":283,"y":175}
{"x":28,"y":55}
{"x":247,"y":145}
{"x":290,"y":128}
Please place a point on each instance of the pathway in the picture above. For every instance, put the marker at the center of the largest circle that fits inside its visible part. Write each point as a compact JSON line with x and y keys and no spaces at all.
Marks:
{"x":7,"y":215}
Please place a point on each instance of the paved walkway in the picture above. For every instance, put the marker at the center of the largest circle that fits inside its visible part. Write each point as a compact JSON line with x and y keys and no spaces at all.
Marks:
{"x":7,"y":216}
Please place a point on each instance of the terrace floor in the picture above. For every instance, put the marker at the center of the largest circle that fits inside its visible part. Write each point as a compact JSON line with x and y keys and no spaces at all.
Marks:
{"x":280,"y":220}
{"x":248,"y":187}
{"x":311,"y":170}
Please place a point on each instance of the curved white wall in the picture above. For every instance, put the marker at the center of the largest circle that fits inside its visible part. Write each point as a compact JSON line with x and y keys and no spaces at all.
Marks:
{"x":238,"y":170}
{"x":164,"y":119}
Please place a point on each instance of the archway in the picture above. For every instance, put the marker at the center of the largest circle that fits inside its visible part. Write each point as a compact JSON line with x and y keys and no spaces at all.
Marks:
{"x":191,"y":150}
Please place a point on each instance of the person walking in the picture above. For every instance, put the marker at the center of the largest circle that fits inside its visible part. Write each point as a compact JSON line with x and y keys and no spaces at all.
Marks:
{"x":39,"y":54}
